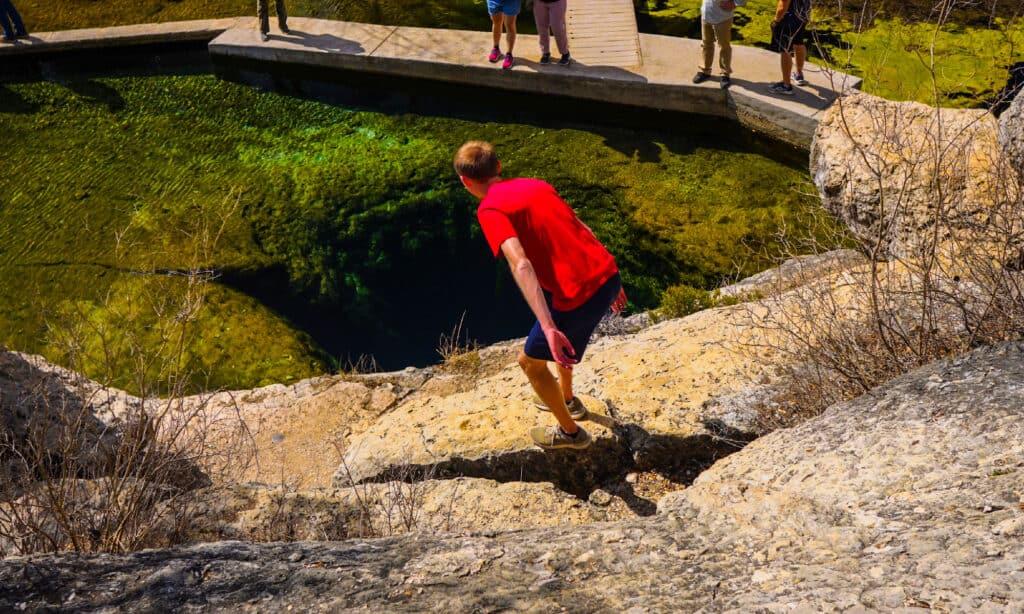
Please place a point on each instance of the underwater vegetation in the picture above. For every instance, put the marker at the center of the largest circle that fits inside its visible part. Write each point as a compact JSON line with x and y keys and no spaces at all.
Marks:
{"x":329,"y":231}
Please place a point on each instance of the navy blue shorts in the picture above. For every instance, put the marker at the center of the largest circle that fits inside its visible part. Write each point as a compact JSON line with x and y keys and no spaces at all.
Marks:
{"x":577,"y":324}
{"x":788,"y":32}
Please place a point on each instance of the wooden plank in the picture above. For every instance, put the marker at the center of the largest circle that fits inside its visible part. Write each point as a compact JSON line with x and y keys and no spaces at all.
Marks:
{"x":603,"y":32}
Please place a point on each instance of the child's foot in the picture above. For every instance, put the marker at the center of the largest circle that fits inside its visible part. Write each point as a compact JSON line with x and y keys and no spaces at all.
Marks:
{"x":565,"y":60}
{"x":576,"y":407}
{"x":554,"y":438}
{"x":798,"y":77}
{"x":264,"y":36}
{"x":545,"y":58}
{"x":495,"y":55}
{"x":701,"y":77}
{"x":509,"y":60}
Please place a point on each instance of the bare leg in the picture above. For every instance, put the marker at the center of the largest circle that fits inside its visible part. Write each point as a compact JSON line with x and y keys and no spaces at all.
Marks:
{"x":800,"y":51}
{"x":787,"y":66}
{"x":496,"y":28}
{"x":548,"y":390}
{"x":510,"y":31}
{"x":565,"y":382}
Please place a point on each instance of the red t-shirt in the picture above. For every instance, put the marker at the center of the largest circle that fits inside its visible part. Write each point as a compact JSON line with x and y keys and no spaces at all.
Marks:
{"x":569,"y":261}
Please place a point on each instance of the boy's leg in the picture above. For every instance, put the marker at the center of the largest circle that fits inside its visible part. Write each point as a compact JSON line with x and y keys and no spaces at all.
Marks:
{"x":510,"y":31}
{"x":723,"y":33}
{"x":548,"y":390}
{"x":787,"y":66}
{"x":565,"y":382}
{"x":800,"y":51}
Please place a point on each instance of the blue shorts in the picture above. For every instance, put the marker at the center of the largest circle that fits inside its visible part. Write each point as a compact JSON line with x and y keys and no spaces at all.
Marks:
{"x":508,"y":7}
{"x":577,"y":324}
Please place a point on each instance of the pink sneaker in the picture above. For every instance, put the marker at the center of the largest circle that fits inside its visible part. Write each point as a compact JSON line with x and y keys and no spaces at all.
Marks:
{"x":495,"y":55}
{"x":509,"y":60}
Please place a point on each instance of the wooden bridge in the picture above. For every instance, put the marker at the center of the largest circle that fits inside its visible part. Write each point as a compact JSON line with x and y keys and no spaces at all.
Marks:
{"x":604,"y":33}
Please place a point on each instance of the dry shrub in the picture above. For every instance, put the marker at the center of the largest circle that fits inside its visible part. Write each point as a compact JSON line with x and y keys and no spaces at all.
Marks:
{"x":955,"y":283}
{"x":395,"y":506}
{"x":459,"y":353}
{"x":85,"y":466}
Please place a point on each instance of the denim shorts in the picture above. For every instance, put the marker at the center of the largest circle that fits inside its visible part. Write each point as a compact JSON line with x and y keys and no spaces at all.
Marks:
{"x":508,"y":7}
{"x":578,"y":324}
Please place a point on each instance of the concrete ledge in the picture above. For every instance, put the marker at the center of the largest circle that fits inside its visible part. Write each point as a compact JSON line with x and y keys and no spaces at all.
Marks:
{"x":663,"y":82}
{"x":455,"y":56}
{"x":118,"y":36}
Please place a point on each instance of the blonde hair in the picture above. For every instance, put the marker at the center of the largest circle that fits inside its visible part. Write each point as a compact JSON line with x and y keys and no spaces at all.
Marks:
{"x":476,"y":160}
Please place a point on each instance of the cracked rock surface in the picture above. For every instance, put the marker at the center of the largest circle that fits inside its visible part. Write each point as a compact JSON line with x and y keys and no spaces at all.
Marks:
{"x":909,"y":497}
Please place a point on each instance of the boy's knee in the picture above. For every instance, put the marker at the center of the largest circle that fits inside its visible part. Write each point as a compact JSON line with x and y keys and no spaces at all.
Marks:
{"x":531,"y":366}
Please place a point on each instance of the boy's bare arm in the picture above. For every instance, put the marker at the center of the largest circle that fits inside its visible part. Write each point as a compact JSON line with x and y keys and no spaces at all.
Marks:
{"x":780,"y":11}
{"x":526,"y":279}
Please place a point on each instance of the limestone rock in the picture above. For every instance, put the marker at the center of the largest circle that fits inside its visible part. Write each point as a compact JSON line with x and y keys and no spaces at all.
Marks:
{"x":256,"y":512}
{"x":1011,"y":132}
{"x":647,"y":396}
{"x":796,"y":271}
{"x":897,"y":172}
{"x":53,"y":411}
{"x":908,"y":497}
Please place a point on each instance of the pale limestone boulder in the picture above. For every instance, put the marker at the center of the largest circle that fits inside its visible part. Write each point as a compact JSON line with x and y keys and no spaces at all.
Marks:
{"x":794,"y":272}
{"x":905,"y":499}
{"x":47,"y":411}
{"x":1011,"y":132}
{"x":679,"y":391}
{"x":650,"y":395}
{"x":902,"y":175}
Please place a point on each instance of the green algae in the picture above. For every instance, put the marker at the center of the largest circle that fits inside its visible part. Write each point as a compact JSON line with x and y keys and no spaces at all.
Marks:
{"x":332,"y":220}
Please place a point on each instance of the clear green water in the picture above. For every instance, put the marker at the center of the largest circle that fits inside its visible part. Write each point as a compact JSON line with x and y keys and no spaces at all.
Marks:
{"x":350,"y":233}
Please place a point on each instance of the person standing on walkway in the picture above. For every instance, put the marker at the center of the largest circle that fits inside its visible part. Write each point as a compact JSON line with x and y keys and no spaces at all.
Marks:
{"x":716,"y":25}
{"x":550,"y":18}
{"x":789,"y":33}
{"x":567,"y":277}
{"x":503,"y":12}
{"x":11,"y":23}
{"x":263,"y":13}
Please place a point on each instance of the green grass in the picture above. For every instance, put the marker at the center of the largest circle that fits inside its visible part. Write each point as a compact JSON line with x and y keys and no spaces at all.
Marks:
{"x":355,"y":213}
{"x":892,"y":56}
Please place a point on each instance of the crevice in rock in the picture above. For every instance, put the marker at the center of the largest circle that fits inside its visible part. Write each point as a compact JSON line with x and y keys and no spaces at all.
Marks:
{"x":579,"y":473}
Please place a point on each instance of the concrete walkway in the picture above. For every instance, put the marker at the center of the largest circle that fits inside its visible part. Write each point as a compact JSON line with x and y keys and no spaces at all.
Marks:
{"x":660,"y":81}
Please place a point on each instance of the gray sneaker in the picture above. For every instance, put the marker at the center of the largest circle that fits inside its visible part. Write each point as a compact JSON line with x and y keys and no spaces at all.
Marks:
{"x":552,"y":438}
{"x":576,"y":408}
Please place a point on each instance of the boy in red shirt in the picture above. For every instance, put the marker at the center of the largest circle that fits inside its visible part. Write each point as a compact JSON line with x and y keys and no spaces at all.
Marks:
{"x":566,"y":276}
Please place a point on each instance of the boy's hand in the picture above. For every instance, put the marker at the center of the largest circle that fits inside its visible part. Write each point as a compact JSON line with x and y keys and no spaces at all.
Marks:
{"x":620,"y":302}
{"x":561,"y":349}
{"x":727,"y":5}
